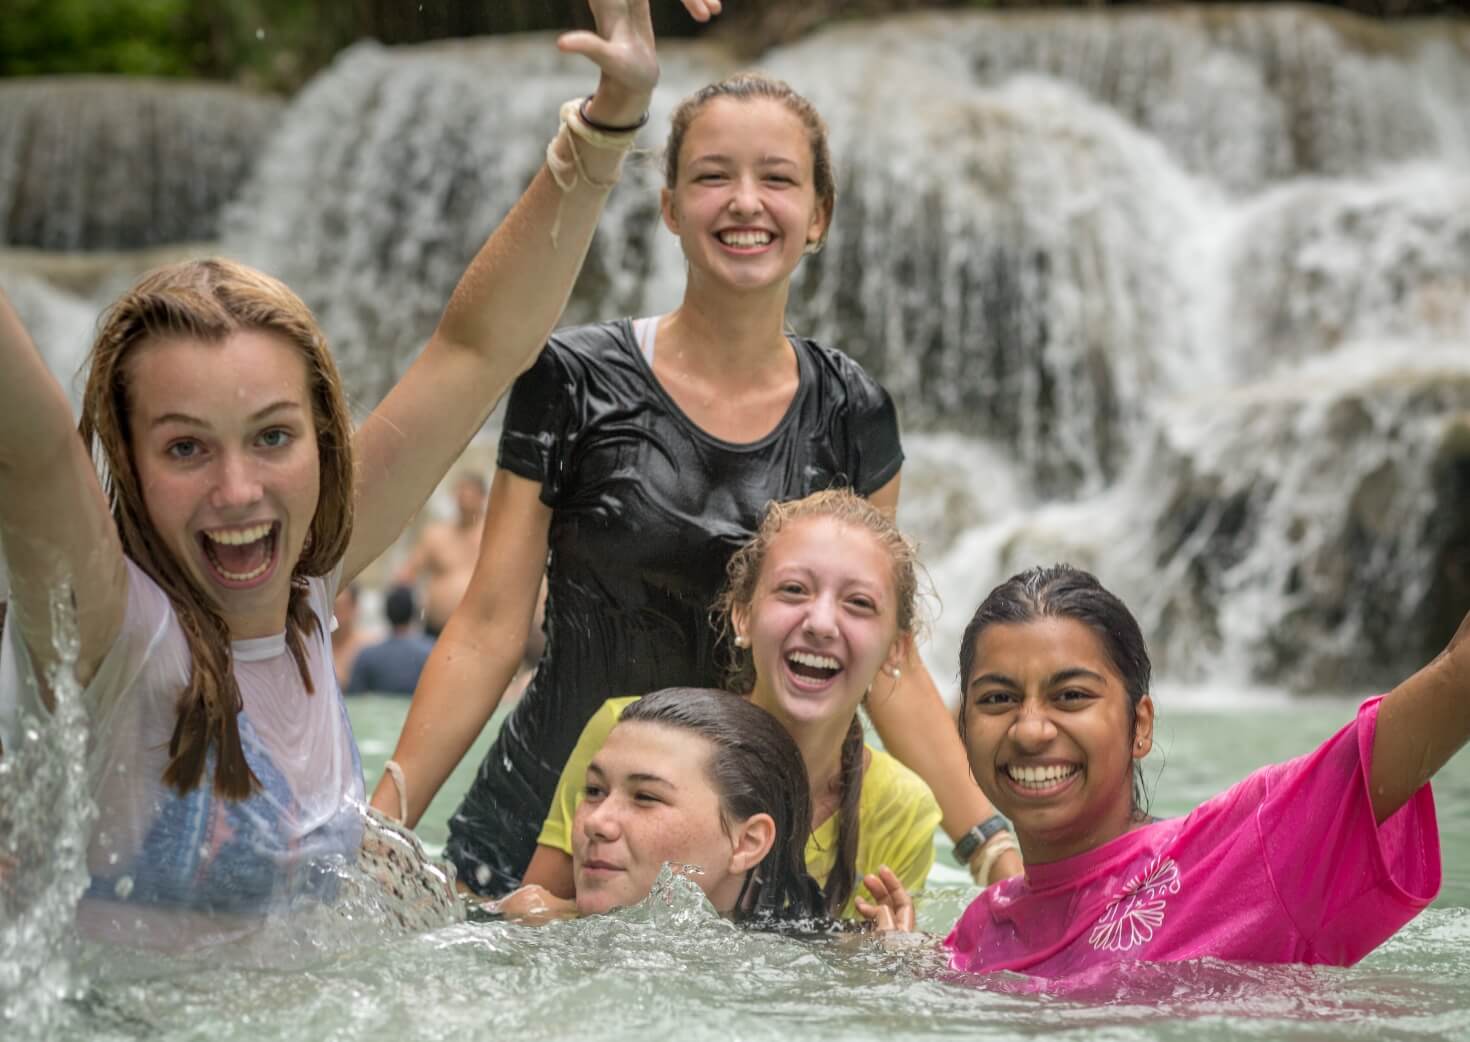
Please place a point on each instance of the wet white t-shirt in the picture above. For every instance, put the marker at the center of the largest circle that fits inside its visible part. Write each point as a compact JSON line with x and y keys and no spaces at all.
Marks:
{"x":176,"y":870}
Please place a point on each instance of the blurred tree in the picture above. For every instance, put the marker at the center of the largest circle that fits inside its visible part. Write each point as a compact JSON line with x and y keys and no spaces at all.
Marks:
{"x":278,"y":44}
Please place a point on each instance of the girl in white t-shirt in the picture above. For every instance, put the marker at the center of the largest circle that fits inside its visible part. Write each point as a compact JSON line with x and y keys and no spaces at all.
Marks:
{"x":234,"y":499}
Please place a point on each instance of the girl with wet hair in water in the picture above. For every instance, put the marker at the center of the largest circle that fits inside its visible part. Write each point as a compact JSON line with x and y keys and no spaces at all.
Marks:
{"x":699,"y":779}
{"x":821,"y":606}
{"x":1317,"y":860}
{"x":230,"y":500}
{"x":635,"y":458}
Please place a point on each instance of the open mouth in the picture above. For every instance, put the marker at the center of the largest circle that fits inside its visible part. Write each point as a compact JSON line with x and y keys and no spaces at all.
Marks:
{"x":1041,"y":779}
{"x":809,"y":666}
{"x":745,"y":238}
{"x":241,"y":556}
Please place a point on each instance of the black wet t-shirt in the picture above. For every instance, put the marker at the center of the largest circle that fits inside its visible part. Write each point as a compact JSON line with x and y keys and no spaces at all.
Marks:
{"x":646,"y":510}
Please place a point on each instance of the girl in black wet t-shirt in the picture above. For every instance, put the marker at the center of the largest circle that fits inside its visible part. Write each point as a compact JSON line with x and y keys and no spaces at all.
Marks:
{"x":635,"y":457}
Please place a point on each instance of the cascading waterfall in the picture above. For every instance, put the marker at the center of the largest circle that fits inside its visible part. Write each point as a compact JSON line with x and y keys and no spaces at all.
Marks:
{"x":89,"y":164}
{"x":1182,"y":296}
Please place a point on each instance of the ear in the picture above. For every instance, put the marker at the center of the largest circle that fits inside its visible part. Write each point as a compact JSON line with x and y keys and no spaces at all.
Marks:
{"x":666,"y":208}
{"x":817,"y":226}
{"x":898,"y":653}
{"x":1143,"y":727}
{"x":751,"y":840}
{"x":740,"y":620}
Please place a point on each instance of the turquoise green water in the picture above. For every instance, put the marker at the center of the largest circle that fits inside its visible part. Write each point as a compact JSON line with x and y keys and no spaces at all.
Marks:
{"x":670,"y":970}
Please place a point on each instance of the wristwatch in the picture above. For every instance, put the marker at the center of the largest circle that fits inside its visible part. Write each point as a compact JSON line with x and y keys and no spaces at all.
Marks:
{"x":978,"y":836}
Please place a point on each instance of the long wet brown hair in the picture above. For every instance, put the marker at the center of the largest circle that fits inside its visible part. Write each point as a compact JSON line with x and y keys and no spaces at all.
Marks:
{"x":207,"y":301}
{"x":743,"y":576}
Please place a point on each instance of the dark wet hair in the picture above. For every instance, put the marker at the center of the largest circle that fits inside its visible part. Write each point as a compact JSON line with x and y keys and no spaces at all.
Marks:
{"x":1062,"y":591}
{"x":756,"y":768}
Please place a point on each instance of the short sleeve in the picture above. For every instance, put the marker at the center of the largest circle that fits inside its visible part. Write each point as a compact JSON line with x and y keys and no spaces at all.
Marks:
{"x":538,"y":423}
{"x":875,"y":452}
{"x":556,"y":831}
{"x":1346,"y":881}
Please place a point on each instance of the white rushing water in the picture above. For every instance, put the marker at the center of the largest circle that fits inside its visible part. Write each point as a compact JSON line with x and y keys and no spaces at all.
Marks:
{"x":1186,"y":294}
{"x":1182,"y":297}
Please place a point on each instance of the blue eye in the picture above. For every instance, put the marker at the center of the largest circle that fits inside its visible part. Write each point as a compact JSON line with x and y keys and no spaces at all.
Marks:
{"x":183,"y":449}
{"x":275,"y":438}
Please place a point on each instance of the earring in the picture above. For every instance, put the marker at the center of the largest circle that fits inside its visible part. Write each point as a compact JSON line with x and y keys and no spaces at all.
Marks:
{"x":742,"y":641}
{"x":895,"y":672}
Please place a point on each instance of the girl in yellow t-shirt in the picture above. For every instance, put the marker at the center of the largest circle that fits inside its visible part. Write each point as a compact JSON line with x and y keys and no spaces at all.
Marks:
{"x":819,"y":609}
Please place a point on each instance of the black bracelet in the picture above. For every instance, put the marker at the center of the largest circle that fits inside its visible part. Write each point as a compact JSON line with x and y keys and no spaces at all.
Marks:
{"x":603,"y":128}
{"x":978,"y":836}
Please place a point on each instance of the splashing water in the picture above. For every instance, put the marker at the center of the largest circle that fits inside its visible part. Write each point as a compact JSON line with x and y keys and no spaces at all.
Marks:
{"x":46,"y":816}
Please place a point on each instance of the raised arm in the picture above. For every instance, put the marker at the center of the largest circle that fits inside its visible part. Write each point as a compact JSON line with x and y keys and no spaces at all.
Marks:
{"x":55,"y":528}
{"x":1421,"y":724}
{"x":478,"y":652}
{"x":509,"y":298}
{"x":916,"y":727}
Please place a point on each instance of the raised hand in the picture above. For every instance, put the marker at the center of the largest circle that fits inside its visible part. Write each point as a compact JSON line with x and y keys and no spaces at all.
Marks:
{"x":891,"y":910}
{"x":623,"y":48}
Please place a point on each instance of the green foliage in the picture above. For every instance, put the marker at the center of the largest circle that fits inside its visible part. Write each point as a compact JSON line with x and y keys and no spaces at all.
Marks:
{"x":142,"y":37}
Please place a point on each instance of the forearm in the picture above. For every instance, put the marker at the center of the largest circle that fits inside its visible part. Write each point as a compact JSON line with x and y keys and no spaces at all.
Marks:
{"x":35,"y":418}
{"x":1422,"y":723}
{"x":552,"y":869}
{"x":515,"y":290}
{"x":916,"y":727}
{"x":54,"y":521}
{"x":457,"y":693}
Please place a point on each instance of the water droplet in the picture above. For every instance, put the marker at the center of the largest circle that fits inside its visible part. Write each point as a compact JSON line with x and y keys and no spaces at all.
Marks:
{"x":32,"y":735}
{"x":112,"y":858}
{"x":482,"y":875}
{"x":123,"y":887}
{"x":260,"y":34}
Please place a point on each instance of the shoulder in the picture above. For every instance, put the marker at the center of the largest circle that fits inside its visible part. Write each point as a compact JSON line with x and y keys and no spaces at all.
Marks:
{"x":592,"y":342}
{"x":895,"y":795}
{"x":612,"y":711}
{"x":835,"y":370}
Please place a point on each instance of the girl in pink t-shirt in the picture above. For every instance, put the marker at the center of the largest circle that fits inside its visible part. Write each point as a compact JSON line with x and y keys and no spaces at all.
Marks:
{"x":1317,"y":860}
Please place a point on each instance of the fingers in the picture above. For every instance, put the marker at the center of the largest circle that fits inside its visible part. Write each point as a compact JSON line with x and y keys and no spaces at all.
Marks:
{"x":585,"y":43}
{"x":881,"y":916}
{"x":702,"y":10}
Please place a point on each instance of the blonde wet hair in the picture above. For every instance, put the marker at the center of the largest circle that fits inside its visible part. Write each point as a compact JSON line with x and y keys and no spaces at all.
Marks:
{"x":743,"y":572}
{"x":208,"y":301}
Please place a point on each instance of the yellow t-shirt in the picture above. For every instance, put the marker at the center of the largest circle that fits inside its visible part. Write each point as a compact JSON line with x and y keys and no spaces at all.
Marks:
{"x":897,"y":813}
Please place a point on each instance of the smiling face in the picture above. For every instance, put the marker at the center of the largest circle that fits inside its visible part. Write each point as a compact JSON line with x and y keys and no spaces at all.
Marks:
{"x":1049,"y":736}
{"x":224,"y":444}
{"x":822,"y":621}
{"x":649,"y":799}
{"x":744,"y":205}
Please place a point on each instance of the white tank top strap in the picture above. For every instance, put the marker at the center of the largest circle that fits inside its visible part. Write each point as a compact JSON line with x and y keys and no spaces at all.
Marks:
{"x":645,"y":331}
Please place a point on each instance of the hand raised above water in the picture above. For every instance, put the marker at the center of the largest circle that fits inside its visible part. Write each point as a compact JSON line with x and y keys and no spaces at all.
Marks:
{"x":623,"y":48}
{"x":891,"y":910}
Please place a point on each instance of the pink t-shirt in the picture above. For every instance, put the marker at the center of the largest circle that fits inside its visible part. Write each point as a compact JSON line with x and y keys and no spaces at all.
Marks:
{"x":1286,"y":867}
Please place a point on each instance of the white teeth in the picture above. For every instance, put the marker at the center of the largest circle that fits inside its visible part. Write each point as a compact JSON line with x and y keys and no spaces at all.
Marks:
{"x":745,"y":238}
{"x":245,"y":577}
{"x":1041,"y":777}
{"x":241,"y":536}
{"x":802,"y":658}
